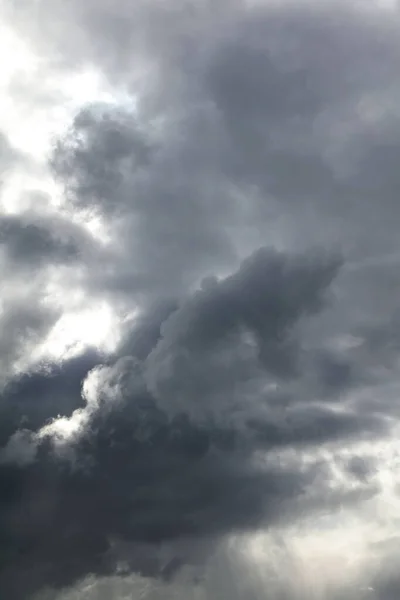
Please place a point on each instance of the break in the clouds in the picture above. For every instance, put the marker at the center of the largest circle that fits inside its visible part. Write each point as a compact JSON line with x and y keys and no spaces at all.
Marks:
{"x":199,"y":310}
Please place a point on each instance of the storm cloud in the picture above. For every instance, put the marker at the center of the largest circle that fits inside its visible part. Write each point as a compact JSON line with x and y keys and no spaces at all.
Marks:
{"x":199,"y":369}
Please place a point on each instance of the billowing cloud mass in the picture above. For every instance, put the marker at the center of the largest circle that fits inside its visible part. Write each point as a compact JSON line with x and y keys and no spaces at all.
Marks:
{"x":199,"y":310}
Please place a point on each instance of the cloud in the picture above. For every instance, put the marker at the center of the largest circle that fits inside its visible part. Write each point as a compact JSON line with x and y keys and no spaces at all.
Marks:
{"x":176,"y":483}
{"x":8,"y":155}
{"x":214,"y":340}
{"x":154,"y":195}
{"x":31,"y":399}
{"x":236,"y":150}
{"x":32,"y":243}
{"x":238,"y":138}
{"x":23,"y":324}
{"x":37,"y":248}
{"x":157,"y":453}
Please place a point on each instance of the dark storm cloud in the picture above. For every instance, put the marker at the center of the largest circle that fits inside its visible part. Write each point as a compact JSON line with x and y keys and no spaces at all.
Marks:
{"x":213,"y":339}
{"x":30,"y":400}
{"x":139,"y":469}
{"x":58,"y":525}
{"x":238,"y":137}
{"x":139,"y":339}
{"x":247,"y":126}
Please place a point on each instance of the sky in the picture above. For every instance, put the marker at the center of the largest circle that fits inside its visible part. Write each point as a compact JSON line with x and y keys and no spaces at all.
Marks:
{"x":199,"y":307}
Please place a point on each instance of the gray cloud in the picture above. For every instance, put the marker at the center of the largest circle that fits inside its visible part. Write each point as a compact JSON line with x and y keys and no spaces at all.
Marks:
{"x":34,"y":245}
{"x":155,"y":469}
{"x":237,"y":140}
{"x":31,"y":399}
{"x":30,"y":244}
{"x":220,"y":333}
{"x":24,"y":323}
{"x":158,"y":193}
{"x":242,"y":127}
{"x":8,"y":155}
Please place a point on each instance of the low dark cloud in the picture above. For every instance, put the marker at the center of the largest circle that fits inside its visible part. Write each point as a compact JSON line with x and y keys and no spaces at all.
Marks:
{"x":242,"y":390}
{"x":154,"y":468}
{"x":31,"y":399}
{"x":233,"y":329}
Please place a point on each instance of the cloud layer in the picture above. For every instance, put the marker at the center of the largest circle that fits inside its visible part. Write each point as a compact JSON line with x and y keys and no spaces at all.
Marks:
{"x":219,"y":192}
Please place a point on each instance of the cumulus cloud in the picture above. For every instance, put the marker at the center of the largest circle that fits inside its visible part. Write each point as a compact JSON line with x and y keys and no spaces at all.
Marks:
{"x":168,"y":444}
{"x":228,"y":417}
{"x":234,"y":330}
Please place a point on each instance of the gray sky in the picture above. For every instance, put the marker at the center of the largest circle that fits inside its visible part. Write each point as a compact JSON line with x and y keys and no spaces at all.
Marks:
{"x":199,"y":311}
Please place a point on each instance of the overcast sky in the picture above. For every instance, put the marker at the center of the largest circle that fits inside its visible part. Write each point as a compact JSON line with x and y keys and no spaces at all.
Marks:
{"x":199,"y":308}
